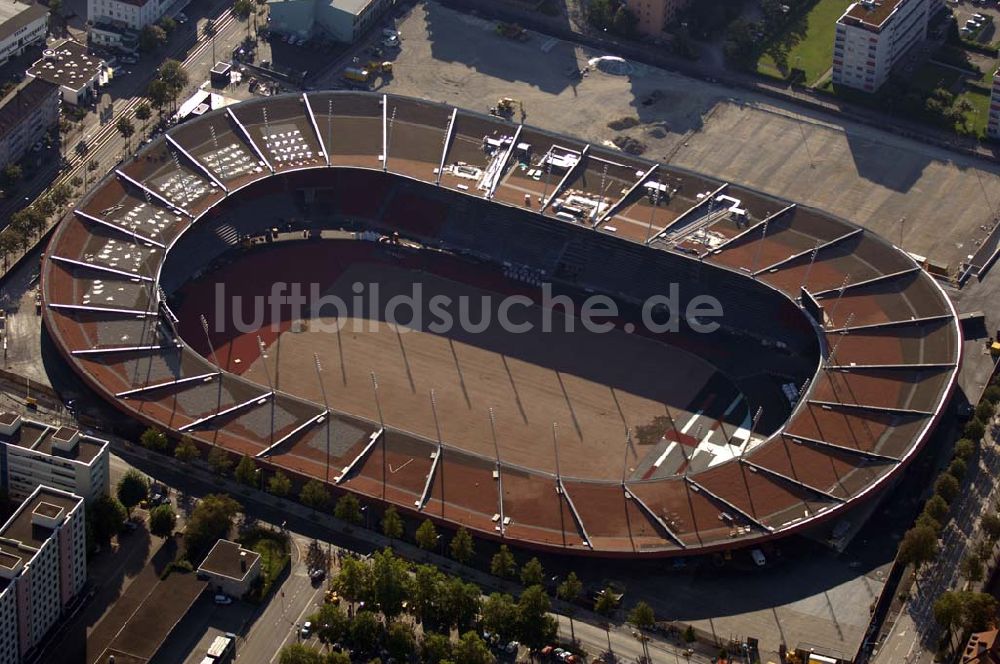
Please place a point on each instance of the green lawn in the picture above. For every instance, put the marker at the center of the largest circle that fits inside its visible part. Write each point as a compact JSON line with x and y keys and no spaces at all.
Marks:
{"x":978,"y":118}
{"x":274,"y":557}
{"x":814,"y":53}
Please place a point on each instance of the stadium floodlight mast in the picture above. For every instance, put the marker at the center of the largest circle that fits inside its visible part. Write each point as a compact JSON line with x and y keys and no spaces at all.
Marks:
{"x":496,"y":450}
{"x":760,"y":246}
{"x":215,"y":359}
{"x":326,"y":404}
{"x":753,"y":427}
{"x":652,"y":210}
{"x":840,"y":294}
{"x":270,"y":385}
{"x":812,"y":261}
{"x":628,"y":444}
{"x":381,"y":423}
{"x":559,"y":491}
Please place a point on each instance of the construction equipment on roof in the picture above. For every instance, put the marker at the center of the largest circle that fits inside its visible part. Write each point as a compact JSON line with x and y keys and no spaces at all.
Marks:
{"x":505,"y":108}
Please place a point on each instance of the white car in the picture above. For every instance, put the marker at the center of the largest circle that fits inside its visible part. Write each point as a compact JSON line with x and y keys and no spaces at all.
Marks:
{"x":223,"y":599}
{"x":306,"y":630}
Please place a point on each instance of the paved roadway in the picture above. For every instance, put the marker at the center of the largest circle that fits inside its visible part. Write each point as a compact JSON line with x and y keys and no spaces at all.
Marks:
{"x":914,"y":636}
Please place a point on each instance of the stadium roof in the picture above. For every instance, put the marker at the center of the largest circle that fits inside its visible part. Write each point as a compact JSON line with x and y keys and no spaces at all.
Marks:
{"x":889,"y":334}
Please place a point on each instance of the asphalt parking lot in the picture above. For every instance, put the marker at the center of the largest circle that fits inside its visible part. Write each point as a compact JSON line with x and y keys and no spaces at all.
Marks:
{"x":859,"y":172}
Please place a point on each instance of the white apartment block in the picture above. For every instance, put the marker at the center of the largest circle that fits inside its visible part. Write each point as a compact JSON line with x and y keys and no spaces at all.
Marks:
{"x":43,"y":567}
{"x":872,"y":36}
{"x":34,"y":454}
{"x":21,"y":25}
{"x":133,"y":14}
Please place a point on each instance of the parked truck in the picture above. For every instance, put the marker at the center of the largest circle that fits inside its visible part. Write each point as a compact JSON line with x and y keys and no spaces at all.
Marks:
{"x":357,"y":75}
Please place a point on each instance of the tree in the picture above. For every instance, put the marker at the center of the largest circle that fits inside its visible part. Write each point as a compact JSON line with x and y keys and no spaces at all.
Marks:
{"x":186,"y":451}
{"x":348,"y":509}
{"x":279,"y":484}
{"x":364,"y":632}
{"x":948,"y":610}
{"x":919,"y":546}
{"x":607,"y":602}
{"x":642,"y":618}
{"x":162,"y":520}
{"x":460,"y":603}
{"x":400,"y":641}
{"x":331,"y":623}
{"x":964,"y":449}
{"x":152,"y":38}
{"x":927,"y":520}
{"x":168,"y":24}
{"x":316,"y":557}
{"x":500,"y":616}
{"x":569,"y":591}
{"x":105,"y":517}
{"x":210,"y":521}
{"x":972,"y":567}
{"x":158,"y":93}
{"x":126,"y":129}
{"x":314,"y":495}
{"x":9,"y":243}
{"x":957,"y":469}
{"x":337,"y":657}
{"x":471,"y":649}
{"x":947,"y":487}
{"x":462,"y":546}
{"x":535,"y":626}
{"x":391,"y":583}
{"x":133,"y":488}
{"x":243,"y":9}
{"x":354,"y":581}
{"x":426,"y":595}
{"x":978,"y":610}
{"x":984,"y":410}
{"x":297,"y":653}
{"x":392,"y":524}
{"x":937,"y":508}
{"x":143,"y":112}
{"x":974,"y":430}
{"x":435,"y":648}
{"x":175,"y":78}
{"x":532,"y":573}
{"x":991,"y":526}
{"x":218,"y":459}
{"x":60,"y":194}
{"x":153,"y":439}
{"x":246,"y":471}
{"x":502,"y":563}
{"x":427,"y":537}
{"x":12,"y":173}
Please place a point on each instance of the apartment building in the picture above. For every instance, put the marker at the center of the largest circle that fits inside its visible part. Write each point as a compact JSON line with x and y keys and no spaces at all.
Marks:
{"x":654,"y":15}
{"x":27,"y":113}
{"x":872,"y":36}
{"x":34,"y":454}
{"x":43,"y":567}
{"x":134,"y":14}
{"x":21,"y":25}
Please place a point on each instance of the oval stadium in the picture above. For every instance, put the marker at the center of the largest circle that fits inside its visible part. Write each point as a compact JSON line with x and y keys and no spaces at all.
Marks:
{"x":398,"y":298}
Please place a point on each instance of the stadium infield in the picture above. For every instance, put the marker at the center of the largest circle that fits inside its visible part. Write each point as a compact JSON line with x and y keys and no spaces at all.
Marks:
{"x":592,"y":387}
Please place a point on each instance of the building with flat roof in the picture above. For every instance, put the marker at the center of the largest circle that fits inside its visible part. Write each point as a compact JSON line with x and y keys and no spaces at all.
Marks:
{"x":342,"y":20}
{"x":77,"y":73}
{"x":230,"y":569}
{"x":993,"y":122}
{"x":129,"y":14}
{"x":33,"y":454}
{"x":26,"y":115}
{"x":43,"y":567}
{"x":872,"y":36}
{"x":21,"y":25}
{"x":654,"y":15}
{"x":982,"y":648}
